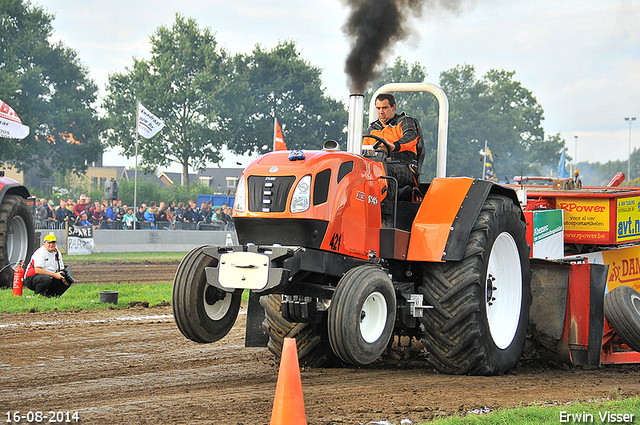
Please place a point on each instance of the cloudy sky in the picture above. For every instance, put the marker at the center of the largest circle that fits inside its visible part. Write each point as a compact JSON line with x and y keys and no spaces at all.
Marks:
{"x":580,"y":58}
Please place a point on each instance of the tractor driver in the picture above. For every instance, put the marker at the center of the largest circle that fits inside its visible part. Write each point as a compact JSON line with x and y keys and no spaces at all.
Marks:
{"x":401,"y":131}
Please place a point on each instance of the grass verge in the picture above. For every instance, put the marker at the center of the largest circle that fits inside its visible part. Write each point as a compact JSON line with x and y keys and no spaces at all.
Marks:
{"x":86,"y":297}
{"x":602,"y":412}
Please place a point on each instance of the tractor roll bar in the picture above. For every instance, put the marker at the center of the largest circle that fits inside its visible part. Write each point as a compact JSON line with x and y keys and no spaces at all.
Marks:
{"x":443,"y":115}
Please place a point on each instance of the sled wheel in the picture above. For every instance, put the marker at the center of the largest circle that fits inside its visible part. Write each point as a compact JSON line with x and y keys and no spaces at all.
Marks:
{"x":622,"y":309}
{"x":203,"y":313}
{"x":311,"y":339}
{"x":481,"y":304}
{"x":362,"y":315}
{"x":17,"y":236}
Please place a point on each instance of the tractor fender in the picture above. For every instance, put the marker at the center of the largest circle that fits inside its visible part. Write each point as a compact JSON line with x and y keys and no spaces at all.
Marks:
{"x":444,"y":221}
{"x":12,"y":187}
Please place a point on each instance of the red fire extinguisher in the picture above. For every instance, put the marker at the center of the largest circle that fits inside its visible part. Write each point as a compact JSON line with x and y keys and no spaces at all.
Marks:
{"x":18,"y":279}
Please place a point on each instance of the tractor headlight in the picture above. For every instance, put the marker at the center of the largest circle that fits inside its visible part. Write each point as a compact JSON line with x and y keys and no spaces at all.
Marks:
{"x":301,"y":195}
{"x":241,"y":195}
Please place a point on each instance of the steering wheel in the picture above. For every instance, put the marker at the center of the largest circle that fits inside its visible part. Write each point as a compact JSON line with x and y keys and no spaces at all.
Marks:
{"x":380,"y":141}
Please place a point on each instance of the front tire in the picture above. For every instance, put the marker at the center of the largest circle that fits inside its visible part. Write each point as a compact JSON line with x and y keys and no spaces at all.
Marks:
{"x":17,"y":236}
{"x":362,"y":315}
{"x":203,"y":313}
{"x":481,"y":304}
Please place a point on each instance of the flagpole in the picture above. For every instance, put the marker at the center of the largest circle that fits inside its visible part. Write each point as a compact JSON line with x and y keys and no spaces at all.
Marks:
{"x":135,"y":176}
{"x":484,"y":161}
{"x":275,"y":125}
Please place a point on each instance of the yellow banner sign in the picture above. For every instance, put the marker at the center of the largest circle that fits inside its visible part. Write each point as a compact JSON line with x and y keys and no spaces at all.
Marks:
{"x":586,"y":219}
{"x":628,"y":219}
{"x":624,"y":267}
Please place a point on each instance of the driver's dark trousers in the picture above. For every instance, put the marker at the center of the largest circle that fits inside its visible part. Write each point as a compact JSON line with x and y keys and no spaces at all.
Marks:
{"x":403,"y":174}
{"x":45,"y":285}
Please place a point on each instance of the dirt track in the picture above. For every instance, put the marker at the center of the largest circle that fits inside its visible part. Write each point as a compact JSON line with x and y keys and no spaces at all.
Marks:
{"x":122,"y":271}
{"x":133,"y":366}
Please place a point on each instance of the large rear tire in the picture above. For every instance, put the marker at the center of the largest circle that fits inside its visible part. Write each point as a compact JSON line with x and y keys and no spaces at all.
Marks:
{"x":362,"y":315}
{"x":481,"y":304}
{"x":622,"y":309}
{"x":203,"y":313}
{"x":17,"y":236}
{"x":311,"y":339}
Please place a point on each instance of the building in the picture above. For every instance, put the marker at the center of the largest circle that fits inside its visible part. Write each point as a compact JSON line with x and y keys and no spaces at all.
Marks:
{"x":12,"y":173}
{"x":221,"y":180}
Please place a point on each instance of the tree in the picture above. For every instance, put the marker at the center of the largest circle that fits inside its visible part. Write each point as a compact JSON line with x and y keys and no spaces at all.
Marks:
{"x":180,"y":84}
{"x":494,"y":108}
{"x":51,"y":92}
{"x":545,"y":155}
{"x":279,"y":83}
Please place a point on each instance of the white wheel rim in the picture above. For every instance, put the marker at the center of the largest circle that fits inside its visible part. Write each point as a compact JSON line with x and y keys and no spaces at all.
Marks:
{"x":17,"y":240}
{"x":373,"y":317}
{"x":503,"y":290}
{"x":219,"y":309}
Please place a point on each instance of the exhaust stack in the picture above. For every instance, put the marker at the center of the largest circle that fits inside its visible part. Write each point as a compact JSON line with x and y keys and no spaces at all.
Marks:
{"x":354,"y":126}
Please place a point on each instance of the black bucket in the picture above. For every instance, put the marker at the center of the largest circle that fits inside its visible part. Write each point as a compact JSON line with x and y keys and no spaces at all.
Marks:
{"x":108,"y":297}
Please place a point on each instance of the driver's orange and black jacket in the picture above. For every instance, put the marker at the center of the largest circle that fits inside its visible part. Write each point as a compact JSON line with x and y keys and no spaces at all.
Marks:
{"x":400,"y":131}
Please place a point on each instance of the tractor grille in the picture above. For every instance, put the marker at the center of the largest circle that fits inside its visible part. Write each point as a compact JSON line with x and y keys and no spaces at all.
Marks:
{"x":285,"y":231}
{"x":269,"y":193}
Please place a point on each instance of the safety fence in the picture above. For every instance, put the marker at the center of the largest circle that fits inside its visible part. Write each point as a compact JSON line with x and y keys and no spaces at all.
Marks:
{"x":144,"y":225}
{"x":139,"y":225}
{"x":86,"y":240}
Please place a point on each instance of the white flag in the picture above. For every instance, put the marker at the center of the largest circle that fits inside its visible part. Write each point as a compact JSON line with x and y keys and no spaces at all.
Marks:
{"x":10,"y":125}
{"x":148,"y":124}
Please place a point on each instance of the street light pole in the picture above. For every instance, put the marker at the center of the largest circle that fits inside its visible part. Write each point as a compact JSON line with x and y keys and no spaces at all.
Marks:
{"x":575,"y":158}
{"x":631,"y":120}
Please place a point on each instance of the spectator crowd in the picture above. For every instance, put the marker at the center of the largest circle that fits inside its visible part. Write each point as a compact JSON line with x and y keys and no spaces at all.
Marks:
{"x":102,"y":215}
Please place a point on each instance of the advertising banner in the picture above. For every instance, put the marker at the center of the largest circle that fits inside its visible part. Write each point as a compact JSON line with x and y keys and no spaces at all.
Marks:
{"x":624,"y":266}
{"x":586,"y":220}
{"x":548,"y":234}
{"x":627,"y":219}
{"x":148,"y":124}
{"x":10,"y":124}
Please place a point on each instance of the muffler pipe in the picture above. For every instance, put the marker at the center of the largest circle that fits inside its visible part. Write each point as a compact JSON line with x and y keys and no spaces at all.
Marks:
{"x":354,"y":126}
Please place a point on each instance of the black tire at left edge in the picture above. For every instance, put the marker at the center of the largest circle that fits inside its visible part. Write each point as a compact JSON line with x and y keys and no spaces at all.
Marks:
{"x":188,"y":301}
{"x":14,"y":206}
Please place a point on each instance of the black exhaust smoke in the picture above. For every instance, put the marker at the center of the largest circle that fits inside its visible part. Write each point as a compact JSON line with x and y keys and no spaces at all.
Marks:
{"x":374,"y":26}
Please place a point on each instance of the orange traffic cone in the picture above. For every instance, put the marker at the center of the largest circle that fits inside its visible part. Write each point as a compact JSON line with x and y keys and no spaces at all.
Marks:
{"x":288,"y":405}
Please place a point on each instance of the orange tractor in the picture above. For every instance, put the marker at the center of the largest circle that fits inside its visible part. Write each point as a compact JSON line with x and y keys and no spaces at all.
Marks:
{"x":451,"y":276}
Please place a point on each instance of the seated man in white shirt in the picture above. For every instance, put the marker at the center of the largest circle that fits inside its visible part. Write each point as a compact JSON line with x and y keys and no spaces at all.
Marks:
{"x":43,"y":275}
